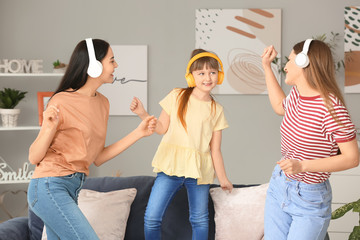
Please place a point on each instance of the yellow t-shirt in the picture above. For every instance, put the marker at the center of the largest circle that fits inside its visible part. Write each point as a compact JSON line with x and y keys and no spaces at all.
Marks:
{"x":80,"y":135}
{"x":187,"y":154}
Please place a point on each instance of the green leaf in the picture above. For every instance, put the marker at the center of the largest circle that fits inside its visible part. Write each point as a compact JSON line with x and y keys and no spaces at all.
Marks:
{"x":56,"y":63}
{"x":357,"y":206}
{"x":9,"y":98}
{"x":355,"y":235}
{"x":342,"y":210}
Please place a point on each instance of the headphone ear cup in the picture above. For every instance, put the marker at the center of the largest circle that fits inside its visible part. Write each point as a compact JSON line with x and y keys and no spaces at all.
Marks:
{"x":190,"y":80}
{"x":95,"y":69}
{"x":302,"y":60}
{"x":220,"y":77}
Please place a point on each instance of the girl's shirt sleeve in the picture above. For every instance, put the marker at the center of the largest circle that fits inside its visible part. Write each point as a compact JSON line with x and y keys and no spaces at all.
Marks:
{"x":168,"y":102}
{"x":221,"y":122}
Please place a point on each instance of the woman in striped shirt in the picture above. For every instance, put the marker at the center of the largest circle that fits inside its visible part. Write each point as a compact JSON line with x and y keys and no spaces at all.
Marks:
{"x":317,"y":138}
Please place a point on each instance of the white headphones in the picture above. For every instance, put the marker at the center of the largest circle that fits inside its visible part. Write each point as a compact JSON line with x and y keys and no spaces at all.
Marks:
{"x":95,"y":67}
{"x":302,"y":59}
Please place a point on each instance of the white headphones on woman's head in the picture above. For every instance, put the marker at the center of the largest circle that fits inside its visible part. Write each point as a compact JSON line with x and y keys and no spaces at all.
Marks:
{"x":95,"y":67}
{"x":302,"y":59}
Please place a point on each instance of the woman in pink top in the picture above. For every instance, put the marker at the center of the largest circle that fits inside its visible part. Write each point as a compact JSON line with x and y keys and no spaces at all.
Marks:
{"x":72,"y":137}
{"x":315,"y":125}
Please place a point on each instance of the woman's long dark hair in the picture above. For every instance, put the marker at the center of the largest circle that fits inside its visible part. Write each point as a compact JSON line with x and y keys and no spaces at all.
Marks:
{"x":76,"y":73}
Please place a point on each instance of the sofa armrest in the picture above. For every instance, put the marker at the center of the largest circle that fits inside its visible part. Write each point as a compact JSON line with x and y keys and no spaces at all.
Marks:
{"x":14,"y":229}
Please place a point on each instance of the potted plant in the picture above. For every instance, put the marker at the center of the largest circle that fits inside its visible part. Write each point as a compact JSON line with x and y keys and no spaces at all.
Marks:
{"x":9,"y":98}
{"x":59,"y":67}
{"x":355,"y":206}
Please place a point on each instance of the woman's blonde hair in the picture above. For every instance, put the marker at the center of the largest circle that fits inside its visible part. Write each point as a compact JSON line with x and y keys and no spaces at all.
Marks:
{"x":320,"y":73}
{"x":184,"y":94}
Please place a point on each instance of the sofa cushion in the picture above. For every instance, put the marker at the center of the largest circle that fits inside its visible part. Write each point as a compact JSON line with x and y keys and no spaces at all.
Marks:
{"x":14,"y":229}
{"x":239,"y":214}
{"x":107,"y":212}
{"x":143,"y":184}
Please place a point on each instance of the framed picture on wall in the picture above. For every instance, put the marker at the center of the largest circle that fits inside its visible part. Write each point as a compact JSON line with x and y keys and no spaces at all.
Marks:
{"x":42,"y":99}
{"x":130,"y":79}
{"x":238,"y":37}
{"x":352,"y":49}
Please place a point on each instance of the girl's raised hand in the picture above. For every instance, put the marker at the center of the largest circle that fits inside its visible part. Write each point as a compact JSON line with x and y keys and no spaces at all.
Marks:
{"x":137,"y":107}
{"x":51,"y":117}
{"x":268,"y":55}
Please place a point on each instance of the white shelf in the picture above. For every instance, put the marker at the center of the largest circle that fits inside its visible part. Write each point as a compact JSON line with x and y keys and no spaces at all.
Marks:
{"x":31,"y":74}
{"x":20,"y":128}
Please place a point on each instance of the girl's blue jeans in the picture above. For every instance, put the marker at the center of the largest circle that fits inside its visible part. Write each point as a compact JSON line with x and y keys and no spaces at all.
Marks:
{"x":54,"y":200}
{"x":295,"y":210}
{"x":164,"y":189}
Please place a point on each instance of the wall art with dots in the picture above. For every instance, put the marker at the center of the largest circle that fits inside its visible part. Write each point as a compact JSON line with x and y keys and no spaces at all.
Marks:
{"x":352,"y":49}
{"x":238,"y":37}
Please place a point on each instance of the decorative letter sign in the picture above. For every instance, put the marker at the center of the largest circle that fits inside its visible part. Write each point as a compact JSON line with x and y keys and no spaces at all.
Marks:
{"x":21,"y":66}
{"x":8,"y":175}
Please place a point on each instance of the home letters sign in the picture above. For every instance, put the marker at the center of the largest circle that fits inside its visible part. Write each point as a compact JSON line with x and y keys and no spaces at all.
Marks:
{"x":21,"y":66}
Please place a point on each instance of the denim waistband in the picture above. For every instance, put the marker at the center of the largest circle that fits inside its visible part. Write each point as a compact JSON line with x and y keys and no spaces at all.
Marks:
{"x":299,"y":184}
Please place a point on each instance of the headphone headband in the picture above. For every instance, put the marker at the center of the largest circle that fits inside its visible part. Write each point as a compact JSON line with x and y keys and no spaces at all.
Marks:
{"x":190,"y":78}
{"x":306,"y":46}
{"x":201,"y":55}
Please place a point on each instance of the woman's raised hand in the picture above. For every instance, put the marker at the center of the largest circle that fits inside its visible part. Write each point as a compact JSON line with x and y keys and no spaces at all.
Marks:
{"x":51,"y":117}
{"x":147,"y":126}
{"x":268,"y":55}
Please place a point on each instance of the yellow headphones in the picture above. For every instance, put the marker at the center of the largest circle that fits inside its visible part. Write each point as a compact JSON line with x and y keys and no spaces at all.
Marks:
{"x":190,"y":78}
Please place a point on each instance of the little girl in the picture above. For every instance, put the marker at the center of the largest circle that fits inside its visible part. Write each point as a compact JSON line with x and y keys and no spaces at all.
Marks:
{"x":190,"y":150}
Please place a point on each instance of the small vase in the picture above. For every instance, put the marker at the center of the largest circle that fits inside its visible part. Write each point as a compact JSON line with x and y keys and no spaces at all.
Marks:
{"x":9,"y":117}
{"x":59,"y":70}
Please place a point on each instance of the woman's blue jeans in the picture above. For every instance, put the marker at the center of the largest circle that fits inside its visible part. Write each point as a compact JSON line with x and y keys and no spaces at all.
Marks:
{"x":295,"y":210}
{"x":163,"y":191}
{"x":54,"y":200}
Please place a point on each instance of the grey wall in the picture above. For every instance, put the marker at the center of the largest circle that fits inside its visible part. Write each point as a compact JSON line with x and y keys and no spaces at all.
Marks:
{"x":49,"y":30}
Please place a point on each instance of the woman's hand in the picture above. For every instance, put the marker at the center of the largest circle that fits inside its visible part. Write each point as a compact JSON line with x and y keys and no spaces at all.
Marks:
{"x":137,"y":107}
{"x":268,"y":55}
{"x":46,"y":135}
{"x":51,"y":117}
{"x":147,"y":126}
{"x":291,"y":166}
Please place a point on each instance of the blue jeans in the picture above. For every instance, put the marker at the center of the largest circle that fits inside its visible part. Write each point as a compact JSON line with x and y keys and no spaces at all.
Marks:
{"x":54,"y":200}
{"x":164,"y":189}
{"x":295,"y":210}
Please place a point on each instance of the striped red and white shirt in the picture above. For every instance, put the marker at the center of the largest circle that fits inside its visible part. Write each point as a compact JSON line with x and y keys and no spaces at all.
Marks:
{"x":308,"y":131}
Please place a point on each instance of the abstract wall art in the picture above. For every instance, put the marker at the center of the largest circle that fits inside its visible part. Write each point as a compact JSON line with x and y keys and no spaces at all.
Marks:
{"x":238,"y":37}
{"x":352,"y":49}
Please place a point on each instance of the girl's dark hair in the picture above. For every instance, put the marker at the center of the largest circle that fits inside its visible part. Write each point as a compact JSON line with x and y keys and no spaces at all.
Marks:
{"x":76,"y":73}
